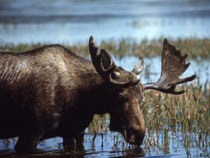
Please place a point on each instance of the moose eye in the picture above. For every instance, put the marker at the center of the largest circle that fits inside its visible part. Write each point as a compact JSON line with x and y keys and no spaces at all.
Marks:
{"x":116,"y":75}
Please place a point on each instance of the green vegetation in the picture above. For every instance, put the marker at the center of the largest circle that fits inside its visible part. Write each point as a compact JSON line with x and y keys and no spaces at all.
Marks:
{"x":173,"y":121}
{"x":194,"y":47}
{"x":186,"y":116}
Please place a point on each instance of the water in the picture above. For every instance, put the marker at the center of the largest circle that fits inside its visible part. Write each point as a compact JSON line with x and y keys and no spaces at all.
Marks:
{"x":73,"y":21}
{"x":105,"y":145}
{"x":152,"y":69}
{"x":112,"y":144}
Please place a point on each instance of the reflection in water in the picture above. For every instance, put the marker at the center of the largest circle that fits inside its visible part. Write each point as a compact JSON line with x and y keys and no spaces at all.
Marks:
{"x":109,"y":144}
{"x":65,"y":21}
{"x":53,"y":148}
{"x":26,"y":21}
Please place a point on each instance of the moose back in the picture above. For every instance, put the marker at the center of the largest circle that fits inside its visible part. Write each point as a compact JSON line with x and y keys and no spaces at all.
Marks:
{"x":51,"y":91}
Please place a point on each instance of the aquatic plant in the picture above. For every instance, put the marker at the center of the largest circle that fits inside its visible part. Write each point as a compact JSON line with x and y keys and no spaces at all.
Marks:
{"x":172,"y":122}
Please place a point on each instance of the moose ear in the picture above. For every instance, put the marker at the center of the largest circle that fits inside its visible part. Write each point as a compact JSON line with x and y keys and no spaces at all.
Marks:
{"x":102,"y":60}
{"x":105,"y":66}
{"x":106,"y":60}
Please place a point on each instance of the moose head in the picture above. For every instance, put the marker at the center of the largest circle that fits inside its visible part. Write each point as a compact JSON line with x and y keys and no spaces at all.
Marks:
{"x":127,"y":90}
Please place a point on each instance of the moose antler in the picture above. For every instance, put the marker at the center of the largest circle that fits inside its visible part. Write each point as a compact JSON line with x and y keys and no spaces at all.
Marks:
{"x":139,"y":67}
{"x":173,"y":65}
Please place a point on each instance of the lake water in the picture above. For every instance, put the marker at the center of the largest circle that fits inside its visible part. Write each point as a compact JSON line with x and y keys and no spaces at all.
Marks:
{"x":152,"y":65}
{"x":112,"y":144}
{"x":73,"y":21}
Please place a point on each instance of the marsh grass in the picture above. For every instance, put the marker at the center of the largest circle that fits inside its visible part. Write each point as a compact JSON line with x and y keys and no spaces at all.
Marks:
{"x":194,"y":47}
{"x":187,"y":114}
{"x":173,"y":122}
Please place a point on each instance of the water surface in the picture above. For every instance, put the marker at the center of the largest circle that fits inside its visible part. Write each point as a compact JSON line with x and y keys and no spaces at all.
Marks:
{"x":71,"y":21}
{"x":111,"y":144}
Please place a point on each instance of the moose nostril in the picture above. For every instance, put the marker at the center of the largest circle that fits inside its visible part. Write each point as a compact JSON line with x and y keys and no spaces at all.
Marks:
{"x":131,"y":139}
{"x":136,"y":136}
{"x":135,"y":139}
{"x":140,"y":140}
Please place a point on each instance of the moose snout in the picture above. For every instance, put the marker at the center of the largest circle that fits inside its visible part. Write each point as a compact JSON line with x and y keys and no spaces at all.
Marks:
{"x":135,"y":136}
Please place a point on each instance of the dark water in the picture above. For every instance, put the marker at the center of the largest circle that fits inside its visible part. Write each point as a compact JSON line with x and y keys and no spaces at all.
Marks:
{"x":112,"y":145}
{"x":72,"y":21}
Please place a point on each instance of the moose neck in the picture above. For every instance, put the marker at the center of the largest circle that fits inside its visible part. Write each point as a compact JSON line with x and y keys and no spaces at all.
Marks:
{"x":91,"y":99}
{"x":96,"y":94}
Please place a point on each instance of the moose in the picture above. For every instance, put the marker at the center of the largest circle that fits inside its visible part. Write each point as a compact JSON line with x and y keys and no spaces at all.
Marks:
{"x":51,"y":91}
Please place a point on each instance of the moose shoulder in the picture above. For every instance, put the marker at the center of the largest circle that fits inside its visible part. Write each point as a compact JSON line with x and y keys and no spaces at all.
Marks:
{"x":51,"y":91}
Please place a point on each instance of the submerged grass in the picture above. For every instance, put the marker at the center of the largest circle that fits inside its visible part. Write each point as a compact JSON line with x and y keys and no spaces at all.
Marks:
{"x":194,"y":47}
{"x":185,"y":117}
{"x":173,"y":122}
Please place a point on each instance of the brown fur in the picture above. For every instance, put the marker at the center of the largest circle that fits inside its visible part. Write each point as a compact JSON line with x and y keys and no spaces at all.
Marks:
{"x":51,"y":91}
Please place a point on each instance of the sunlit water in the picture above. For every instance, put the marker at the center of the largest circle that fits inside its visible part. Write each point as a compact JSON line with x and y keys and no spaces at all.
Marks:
{"x":113,"y":145}
{"x":152,"y":69}
{"x":72,"y":21}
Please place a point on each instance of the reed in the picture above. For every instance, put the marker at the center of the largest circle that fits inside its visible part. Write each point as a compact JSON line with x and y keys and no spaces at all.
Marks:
{"x":194,"y":47}
{"x":172,"y":121}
